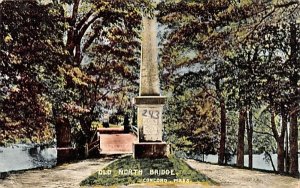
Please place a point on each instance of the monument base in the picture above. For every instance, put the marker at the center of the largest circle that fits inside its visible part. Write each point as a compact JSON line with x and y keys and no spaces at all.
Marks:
{"x":150,"y":150}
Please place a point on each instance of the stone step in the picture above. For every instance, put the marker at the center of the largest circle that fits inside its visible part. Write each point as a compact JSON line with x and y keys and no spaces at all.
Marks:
{"x":116,"y":143}
{"x":114,"y":130}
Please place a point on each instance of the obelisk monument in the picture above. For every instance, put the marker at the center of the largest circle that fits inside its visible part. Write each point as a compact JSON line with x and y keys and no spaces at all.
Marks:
{"x":149,"y":102}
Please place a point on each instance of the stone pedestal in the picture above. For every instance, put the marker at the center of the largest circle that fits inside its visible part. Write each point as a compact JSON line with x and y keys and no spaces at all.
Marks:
{"x":150,"y":110}
{"x":150,"y":128}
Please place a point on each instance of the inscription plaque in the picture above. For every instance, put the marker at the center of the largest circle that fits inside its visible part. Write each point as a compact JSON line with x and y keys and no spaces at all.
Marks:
{"x":151,"y":123}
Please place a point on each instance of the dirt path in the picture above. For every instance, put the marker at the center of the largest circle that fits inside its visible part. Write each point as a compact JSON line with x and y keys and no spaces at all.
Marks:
{"x":239,"y":178}
{"x":68,"y":175}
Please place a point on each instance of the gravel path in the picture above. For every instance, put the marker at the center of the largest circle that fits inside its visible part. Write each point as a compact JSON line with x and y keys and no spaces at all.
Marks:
{"x":239,"y":178}
{"x":67,"y":175}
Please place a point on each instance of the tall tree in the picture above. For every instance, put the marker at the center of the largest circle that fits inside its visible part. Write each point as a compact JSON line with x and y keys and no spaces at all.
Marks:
{"x":31,"y":51}
{"x":295,"y":97}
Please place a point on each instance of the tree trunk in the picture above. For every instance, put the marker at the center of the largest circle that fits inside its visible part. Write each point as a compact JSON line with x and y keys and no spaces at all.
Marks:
{"x":283,"y":131}
{"x":241,"y":135}
{"x":287,"y":155}
{"x":294,"y":145}
{"x":86,"y":123}
{"x":279,"y":139}
{"x":294,"y":79}
{"x":63,"y":132}
{"x":280,"y":156}
{"x":63,"y":137}
{"x":223,"y":133}
{"x":249,"y":138}
{"x":271,"y":160}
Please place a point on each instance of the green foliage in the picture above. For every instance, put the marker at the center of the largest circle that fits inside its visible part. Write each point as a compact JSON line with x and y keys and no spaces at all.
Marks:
{"x":262,"y":140}
{"x":232,"y":131}
{"x":192,"y":121}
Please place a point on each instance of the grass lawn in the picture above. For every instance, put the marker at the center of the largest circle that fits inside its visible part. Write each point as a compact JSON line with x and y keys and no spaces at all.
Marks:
{"x":166,"y":171}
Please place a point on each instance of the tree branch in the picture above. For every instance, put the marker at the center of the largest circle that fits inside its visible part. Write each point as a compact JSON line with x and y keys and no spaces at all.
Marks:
{"x":265,"y":133}
{"x":83,"y":29}
{"x":75,"y":11}
{"x":259,"y":23}
{"x":274,"y":8}
{"x":88,"y":43}
{"x":84,"y":19}
{"x":287,"y":4}
{"x":273,"y":125}
{"x":71,"y":31}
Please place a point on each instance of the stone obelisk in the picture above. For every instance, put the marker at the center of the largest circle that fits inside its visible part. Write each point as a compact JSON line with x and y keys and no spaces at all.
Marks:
{"x":149,"y":102}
